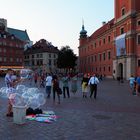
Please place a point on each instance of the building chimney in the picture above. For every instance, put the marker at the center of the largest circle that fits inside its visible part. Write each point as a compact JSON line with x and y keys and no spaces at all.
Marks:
{"x":103,"y":23}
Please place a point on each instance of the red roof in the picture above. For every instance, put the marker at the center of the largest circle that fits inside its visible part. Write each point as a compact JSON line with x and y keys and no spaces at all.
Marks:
{"x":102,"y":29}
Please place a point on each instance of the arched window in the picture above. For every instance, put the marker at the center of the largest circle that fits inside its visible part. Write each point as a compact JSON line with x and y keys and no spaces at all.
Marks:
{"x":123,"y":11}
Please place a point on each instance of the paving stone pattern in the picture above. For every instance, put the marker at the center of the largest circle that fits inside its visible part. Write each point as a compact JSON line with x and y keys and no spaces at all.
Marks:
{"x":114,"y":115}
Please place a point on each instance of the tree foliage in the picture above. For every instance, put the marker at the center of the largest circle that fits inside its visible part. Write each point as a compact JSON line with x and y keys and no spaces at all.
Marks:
{"x":66,"y":58}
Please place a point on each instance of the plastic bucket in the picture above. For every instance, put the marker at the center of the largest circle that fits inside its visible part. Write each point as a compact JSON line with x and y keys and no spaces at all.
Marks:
{"x":19,"y":114}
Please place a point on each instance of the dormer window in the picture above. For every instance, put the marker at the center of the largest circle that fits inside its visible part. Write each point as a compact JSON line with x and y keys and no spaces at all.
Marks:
{"x":12,"y":37}
{"x":123,"y":11}
{"x":4,"y":36}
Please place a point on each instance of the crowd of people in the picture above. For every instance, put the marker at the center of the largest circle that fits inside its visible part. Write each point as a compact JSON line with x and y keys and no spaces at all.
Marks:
{"x":51,"y":84}
{"x":52,"y":87}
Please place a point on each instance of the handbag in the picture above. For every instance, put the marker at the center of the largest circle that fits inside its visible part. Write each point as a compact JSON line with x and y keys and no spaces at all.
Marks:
{"x":59,"y":91}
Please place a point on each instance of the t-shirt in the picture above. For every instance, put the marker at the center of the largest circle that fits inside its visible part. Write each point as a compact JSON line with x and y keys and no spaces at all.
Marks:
{"x":138,"y":81}
{"x":8,"y":80}
{"x":131,"y":80}
{"x":49,"y":81}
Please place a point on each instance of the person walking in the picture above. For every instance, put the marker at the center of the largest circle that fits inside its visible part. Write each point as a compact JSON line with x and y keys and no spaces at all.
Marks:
{"x":85,"y":85}
{"x":74,"y":87}
{"x":48,"y":85}
{"x":56,"y":88}
{"x":65,"y":82}
{"x":131,"y":83}
{"x":93,"y":81}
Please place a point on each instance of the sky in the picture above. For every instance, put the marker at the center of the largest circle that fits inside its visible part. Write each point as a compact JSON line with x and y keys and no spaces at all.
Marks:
{"x":57,"y":21}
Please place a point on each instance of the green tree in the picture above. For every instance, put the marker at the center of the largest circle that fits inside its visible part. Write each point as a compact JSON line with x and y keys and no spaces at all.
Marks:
{"x":66,"y":58}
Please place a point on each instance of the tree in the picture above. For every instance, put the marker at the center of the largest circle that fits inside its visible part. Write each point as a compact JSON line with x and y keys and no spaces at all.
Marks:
{"x":66,"y":58}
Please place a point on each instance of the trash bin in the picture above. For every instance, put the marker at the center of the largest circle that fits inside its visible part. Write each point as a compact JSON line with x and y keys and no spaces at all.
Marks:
{"x":19,"y":114}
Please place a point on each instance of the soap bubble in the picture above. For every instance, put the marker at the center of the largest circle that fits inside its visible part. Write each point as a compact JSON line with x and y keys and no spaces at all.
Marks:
{"x":24,"y":73}
{"x":41,"y":98}
{"x":34,"y":103}
{"x":10,"y":91}
{"x":17,"y":100}
{"x":21,"y":89}
{"x":3,"y":92}
{"x":23,"y":96}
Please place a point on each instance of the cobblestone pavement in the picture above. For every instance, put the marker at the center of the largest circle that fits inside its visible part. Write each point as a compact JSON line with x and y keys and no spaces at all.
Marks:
{"x":114,"y":115}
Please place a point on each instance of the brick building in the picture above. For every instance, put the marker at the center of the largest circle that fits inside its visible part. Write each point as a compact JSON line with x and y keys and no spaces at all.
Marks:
{"x":113,"y":49}
{"x":42,"y":56}
{"x":11,"y":48}
{"x":12,"y":42}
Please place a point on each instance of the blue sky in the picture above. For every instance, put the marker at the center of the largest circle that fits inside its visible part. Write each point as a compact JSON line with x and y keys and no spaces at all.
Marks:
{"x":58,"y":21}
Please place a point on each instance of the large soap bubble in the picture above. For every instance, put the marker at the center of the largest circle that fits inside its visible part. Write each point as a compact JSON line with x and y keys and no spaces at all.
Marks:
{"x":41,"y":98}
{"x":23,"y":96}
{"x":24,"y":73}
{"x":34,"y":103}
{"x":17,"y":100}
{"x":3,"y":92}
{"x":21,"y":89}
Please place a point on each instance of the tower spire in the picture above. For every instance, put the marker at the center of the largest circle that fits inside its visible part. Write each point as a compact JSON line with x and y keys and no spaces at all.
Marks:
{"x":83,"y":32}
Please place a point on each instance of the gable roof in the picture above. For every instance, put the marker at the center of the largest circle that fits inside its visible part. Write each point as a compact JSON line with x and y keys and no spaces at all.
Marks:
{"x":20,"y":34}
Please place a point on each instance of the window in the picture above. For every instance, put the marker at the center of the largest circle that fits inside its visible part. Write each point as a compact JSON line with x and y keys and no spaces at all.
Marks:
{"x":37,"y":62}
{"x":4,"y":50}
{"x":99,"y":42}
{"x":138,"y":22}
{"x":109,"y":68}
{"x":0,"y":59}
{"x":100,"y":57}
{"x":49,"y":62}
{"x":122,"y":30}
{"x":4,"y":36}
{"x":95,"y":45}
{"x":33,"y":63}
{"x":5,"y":59}
{"x":11,"y":59}
{"x":104,"y":68}
{"x":139,"y":63}
{"x":108,"y":38}
{"x":95,"y":58}
{"x":104,"y":40}
{"x":123,"y":11}
{"x":17,"y":59}
{"x":49,"y":55}
{"x":0,"y":50}
{"x":37,"y":55}
{"x":41,"y":55}
{"x":138,"y":39}
{"x":103,"y":56}
{"x":32,"y":56}
{"x":109,"y":55}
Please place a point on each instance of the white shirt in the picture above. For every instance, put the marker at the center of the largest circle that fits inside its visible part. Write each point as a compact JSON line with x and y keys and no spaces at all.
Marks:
{"x":49,"y":81}
{"x":8,"y":80}
{"x":131,"y":80}
{"x":93,"y":80}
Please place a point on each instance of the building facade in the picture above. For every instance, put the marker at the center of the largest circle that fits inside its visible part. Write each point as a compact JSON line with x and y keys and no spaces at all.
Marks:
{"x":11,"y":49}
{"x":114,"y":49}
{"x":42,"y":56}
{"x":12,"y":43}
